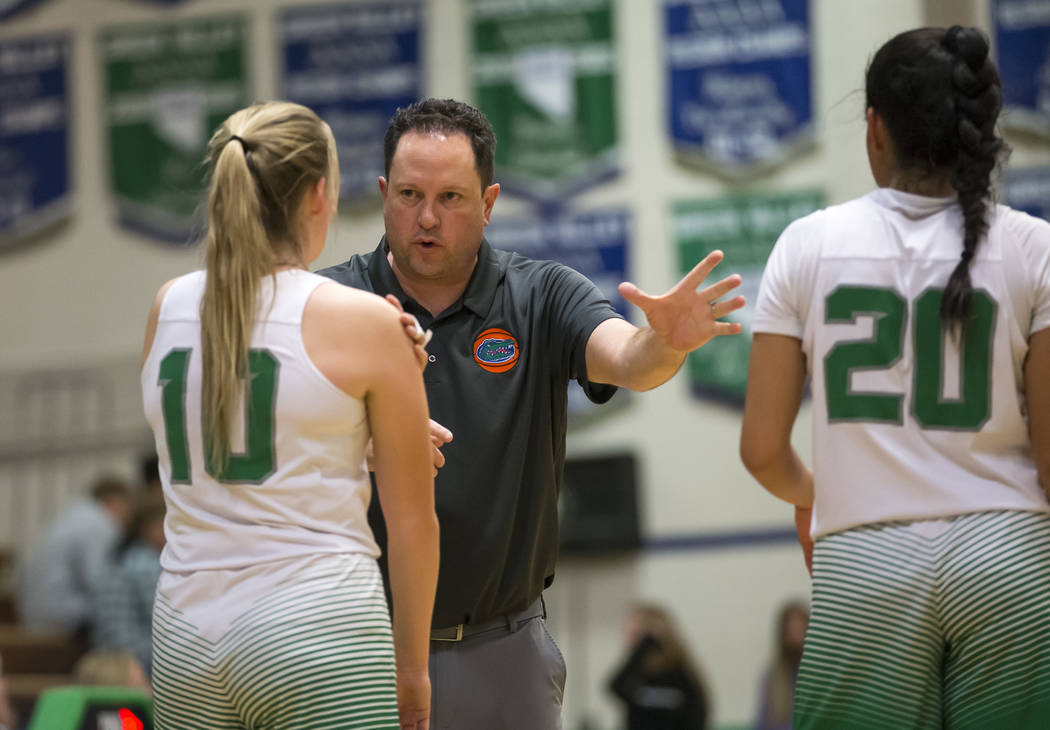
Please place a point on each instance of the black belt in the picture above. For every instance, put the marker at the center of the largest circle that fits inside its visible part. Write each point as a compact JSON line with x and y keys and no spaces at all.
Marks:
{"x":510,"y":623}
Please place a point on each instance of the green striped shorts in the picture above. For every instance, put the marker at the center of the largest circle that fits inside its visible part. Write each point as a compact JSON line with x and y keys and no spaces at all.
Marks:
{"x":303,"y":643}
{"x":930,"y":624}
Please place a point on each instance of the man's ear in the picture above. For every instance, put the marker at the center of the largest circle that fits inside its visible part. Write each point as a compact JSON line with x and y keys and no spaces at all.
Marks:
{"x":383,"y":186}
{"x":488,"y":200}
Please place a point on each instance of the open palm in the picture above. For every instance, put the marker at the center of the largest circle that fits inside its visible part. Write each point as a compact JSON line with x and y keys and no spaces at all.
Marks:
{"x":686,"y":317}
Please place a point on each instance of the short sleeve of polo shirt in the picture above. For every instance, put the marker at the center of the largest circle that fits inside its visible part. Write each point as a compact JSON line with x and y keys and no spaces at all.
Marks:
{"x":575,"y":306}
{"x":781,"y":308}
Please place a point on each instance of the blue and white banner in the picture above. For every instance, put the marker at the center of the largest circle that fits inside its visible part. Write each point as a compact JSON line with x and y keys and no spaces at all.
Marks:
{"x":34,"y":136}
{"x":593,"y":243}
{"x":1028,"y":189}
{"x":9,"y":8}
{"x":739,"y":86}
{"x":1022,"y":42}
{"x":354,"y":64}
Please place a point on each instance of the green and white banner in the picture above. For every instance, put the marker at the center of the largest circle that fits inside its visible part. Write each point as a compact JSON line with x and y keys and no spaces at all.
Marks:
{"x":167,"y":87}
{"x":545,"y":75}
{"x":745,"y":227}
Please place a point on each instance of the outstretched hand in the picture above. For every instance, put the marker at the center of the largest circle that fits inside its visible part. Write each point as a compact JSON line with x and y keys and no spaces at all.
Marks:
{"x":686,"y":317}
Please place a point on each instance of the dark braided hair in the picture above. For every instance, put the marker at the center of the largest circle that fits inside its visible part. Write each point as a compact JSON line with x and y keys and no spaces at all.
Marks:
{"x":939,"y":95}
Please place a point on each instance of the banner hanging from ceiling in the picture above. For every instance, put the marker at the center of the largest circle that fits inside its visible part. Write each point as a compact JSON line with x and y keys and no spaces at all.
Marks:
{"x":1022,"y":43}
{"x":167,"y":87}
{"x":744,"y":227}
{"x":35,"y":176}
{"x":739,"y":87}
{"x":544,"y":73}
{"x":354,"y":64}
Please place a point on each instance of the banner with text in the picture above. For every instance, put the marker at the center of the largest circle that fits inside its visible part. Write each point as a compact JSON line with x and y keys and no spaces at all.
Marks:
{"x":167,"y":87}
{"x":545,"y":76}
{"x":354,"y":64}
{"x":1022,"y":42}
{"x":8,"y":8}
{"x":1028,"y":189}
{"x":745,"y":227}
{"x":594,"y":244}
{"x":739,"y":82}
{"x":13,"y":7}
{"x":35,"y":189}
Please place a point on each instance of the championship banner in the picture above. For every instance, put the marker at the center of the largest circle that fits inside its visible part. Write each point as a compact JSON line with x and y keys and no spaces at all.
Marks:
{"x":167,"y":87}
{"x":594,"y":244}
{"x":739,"y":86}
{"x":1022,"y":42}
{"x":354,"y":65}
{"x":1028,"y":189}
{"x":745,"y":227}
{"x":545,"y":76}
{"x":34,"y":137}
{"x":9,"y":8}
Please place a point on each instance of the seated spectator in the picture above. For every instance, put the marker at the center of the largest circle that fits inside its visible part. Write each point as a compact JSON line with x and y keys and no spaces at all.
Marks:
{"x":123,"y":609}
{"x":777,"y":692}
{"x":658,"y":681}
{"x":58,"y":577}
{"x":106,"y":668}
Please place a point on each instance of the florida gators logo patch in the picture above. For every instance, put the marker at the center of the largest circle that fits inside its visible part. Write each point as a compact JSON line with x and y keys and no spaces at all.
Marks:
{"x":496,"y":350}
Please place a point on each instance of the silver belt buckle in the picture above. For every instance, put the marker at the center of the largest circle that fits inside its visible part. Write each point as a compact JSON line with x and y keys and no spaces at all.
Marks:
{"x":457,"y":637}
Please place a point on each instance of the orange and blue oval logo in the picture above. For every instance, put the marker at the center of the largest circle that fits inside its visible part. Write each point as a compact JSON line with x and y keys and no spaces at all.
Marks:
{"x":496,"y":350}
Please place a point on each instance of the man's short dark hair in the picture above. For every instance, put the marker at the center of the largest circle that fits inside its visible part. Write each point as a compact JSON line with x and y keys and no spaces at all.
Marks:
{"x":445,"y":116}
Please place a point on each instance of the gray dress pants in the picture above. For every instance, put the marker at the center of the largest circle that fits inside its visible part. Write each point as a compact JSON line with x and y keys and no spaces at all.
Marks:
{"x":507,"y":678}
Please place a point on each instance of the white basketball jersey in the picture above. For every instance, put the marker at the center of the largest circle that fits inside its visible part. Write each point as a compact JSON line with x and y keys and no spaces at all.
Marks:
{"x":296,"y":482}
{"x":908,"y":422}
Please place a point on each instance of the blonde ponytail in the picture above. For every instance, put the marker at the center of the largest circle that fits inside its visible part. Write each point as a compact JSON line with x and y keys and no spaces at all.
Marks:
{"x":263,"y":160}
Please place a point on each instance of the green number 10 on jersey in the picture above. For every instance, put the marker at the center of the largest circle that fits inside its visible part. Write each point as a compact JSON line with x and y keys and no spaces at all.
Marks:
{"x":258,"y":460}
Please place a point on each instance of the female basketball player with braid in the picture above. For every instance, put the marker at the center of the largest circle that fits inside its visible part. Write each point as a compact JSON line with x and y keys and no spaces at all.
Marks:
{"x":262,"y":383}
{"x":921,"y":311}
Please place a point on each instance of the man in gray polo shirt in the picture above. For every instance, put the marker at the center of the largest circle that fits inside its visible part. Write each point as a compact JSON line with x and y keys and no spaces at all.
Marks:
{"x":509,"y":334}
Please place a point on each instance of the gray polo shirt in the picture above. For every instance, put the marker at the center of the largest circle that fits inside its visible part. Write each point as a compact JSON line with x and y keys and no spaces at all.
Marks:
{"x":501,"y":360}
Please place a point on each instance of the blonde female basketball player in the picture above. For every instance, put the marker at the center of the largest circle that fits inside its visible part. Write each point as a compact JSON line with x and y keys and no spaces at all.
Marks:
{"x":262,"y":383}
{"x":922,"y":313}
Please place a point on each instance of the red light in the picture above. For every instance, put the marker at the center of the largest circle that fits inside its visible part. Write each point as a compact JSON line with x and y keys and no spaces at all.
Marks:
{"x":128,"y":720}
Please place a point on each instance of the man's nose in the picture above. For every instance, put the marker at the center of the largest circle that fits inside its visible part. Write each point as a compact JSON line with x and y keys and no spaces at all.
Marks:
{"x":427,"y":217}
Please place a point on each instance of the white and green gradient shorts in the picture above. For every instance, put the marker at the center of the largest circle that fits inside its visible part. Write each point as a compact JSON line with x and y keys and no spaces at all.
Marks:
{"x":931,"y":624}
{"x":303,"y":643}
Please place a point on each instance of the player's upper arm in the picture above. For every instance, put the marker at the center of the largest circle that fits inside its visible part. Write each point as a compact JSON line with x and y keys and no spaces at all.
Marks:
{"x":1037,"y":400}
{"x":151,"y":320}
{"x":775,"y":378}
{"x":604,"y":350}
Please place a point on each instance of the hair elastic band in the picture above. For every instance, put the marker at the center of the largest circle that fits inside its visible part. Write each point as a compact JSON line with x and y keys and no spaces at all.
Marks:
{"x":243,"y":143}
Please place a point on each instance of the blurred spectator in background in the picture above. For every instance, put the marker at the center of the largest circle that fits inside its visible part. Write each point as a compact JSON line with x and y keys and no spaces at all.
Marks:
{"x":7,"y":713}
{"x":149,"y":472}
{"x":658,"y":681}
{"x":123,"y":608}
{"x":777,"y":693}
{"x":59,"y":575}
{"x":107,"y":668}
